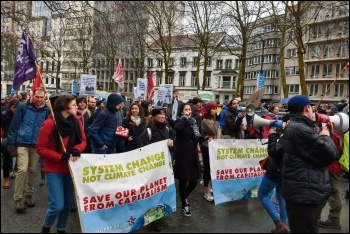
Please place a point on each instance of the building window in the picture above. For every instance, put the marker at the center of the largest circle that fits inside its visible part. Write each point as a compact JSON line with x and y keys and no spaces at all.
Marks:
{"x":325,"y":88}
{"x":342,"y":48}
{"x":338,"y":90}
{"x":150,"y":62}
{"x":271,"y":89}
{"x":237,"y":63}
{"x":217,"y":98}
{"x":226,"y":98}
{"x":219,"y":64}
{"x":182,"y":79}
{"x":316,"y":52}
{"x":292,"y":53}
{"x":158,"y":80}
{"x":313,"y":89}
{"x":292,"y":71}
{"x":195,"y":61}
{"x":208,"y":79}
{"x":315,"y":71}
{"x":171,"y":62}
{"x":182,"y":62}
{"x":226,"y":82}
{"x":171,"y":78}
{"x":339,"y":69}
{"x":209,"y":61}
{"x":228,"y":64}
{"x":249,"y":89}
{"x":193,"y":79}
{"x":327,"y":70}
{"x":328,"y":51}
{"x":159,"y":63}
{"x":317,"y":32}
{"x":293,"y":88}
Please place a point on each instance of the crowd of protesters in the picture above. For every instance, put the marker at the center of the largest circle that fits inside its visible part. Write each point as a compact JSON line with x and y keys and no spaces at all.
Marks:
{"x":26,"y":126}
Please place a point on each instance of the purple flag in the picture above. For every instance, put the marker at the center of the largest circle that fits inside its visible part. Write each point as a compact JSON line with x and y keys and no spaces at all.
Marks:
{"x":25,"y":67}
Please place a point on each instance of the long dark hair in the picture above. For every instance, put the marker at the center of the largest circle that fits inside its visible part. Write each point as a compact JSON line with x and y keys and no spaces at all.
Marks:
{"x":141,"y":114}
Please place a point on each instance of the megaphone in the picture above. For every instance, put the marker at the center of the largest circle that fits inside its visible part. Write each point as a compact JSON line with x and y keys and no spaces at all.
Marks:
{"x":340,"y":120}
{"x":250,"y":109}
{"x":260,"y":122}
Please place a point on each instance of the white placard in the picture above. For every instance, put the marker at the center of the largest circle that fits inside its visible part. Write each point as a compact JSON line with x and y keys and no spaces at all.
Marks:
{"x":87,"y":84}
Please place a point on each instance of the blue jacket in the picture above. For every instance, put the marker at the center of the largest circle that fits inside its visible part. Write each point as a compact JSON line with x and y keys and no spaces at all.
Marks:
{"x":25,"y":124}
{"x":222,"y":116}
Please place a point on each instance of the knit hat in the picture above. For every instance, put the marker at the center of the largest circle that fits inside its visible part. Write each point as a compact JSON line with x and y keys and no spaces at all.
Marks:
{"x":156,"y":112}
{"x":13,"y":102}
{"x":81,"y":98}
{"x":210,"y":105}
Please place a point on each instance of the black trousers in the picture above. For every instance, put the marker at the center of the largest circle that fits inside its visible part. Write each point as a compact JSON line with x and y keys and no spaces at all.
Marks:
{"x":302,"y":217}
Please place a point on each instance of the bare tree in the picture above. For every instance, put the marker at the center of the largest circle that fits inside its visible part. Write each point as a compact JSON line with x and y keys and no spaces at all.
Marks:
{"x":242,"y":17}
{"x":164,"y":22}
{"x":205,"y":19}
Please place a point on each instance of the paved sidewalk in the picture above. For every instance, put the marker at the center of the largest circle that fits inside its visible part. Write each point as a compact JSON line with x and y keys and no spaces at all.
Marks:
{"x":244,"y":216}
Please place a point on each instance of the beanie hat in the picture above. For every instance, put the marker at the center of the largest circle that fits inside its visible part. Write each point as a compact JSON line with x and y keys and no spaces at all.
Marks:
{"x":210,"y":105}
{"x":81,"y":98}
{"x":155,"y":112}
{"x":13,"y":102}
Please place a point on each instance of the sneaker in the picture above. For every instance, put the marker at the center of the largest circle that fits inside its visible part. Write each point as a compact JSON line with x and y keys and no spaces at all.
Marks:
{"x":328,"y":224}
{"x":186,"y":211}
{"x":209,"y":197}
{"x":188,"y":204}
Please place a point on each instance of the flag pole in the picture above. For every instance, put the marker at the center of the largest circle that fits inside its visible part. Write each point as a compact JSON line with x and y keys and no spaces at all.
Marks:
{"x":51,"y":110}
{"x":319,"y":102}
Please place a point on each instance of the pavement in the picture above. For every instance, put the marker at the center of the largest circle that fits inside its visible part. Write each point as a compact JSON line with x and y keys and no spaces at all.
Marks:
{"x":243,"y":216}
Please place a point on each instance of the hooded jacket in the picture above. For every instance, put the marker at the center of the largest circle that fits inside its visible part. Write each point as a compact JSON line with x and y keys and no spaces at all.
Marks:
{"x":102,"y":130}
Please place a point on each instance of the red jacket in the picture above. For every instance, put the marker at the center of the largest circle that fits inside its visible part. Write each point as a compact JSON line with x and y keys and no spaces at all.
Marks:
{"x":335,"y":166}
{"x":46,"y":148}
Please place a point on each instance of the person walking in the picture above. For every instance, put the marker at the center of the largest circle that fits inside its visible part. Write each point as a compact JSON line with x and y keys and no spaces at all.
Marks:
{"x":6,"y":118}
{"x":307,"y":153}
{"x":21,"y":140}
{"x":159,"y":131}
{"x":211,"y":128}
{"x":272,"y":179}
{"x":66,"y":129}
{"x":102,"y":129}
{"x":186,"y":167}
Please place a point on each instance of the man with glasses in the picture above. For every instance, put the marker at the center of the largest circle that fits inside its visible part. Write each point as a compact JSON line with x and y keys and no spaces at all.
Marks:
{"x":21,"y":142}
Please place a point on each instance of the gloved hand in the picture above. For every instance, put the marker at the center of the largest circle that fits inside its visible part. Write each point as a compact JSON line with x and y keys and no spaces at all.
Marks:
{"x":12,"y":150}
{"x":76,"y":153}
{"x":65,"y":156}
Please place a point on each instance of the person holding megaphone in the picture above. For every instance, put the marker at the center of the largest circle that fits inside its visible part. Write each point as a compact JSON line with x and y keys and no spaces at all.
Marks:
{"x":307,"y":153}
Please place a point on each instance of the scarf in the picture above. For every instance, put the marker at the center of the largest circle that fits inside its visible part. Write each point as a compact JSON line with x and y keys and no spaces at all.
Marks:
{"x":66,"y":127}
{"x":195,"y":127}
{"x":136,"y":119}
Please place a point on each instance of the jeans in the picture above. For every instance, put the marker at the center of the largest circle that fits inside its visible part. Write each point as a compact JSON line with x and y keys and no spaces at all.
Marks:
{"x":27,"y":162}
{"x":60,"y":193}
{"x":265,"y":188}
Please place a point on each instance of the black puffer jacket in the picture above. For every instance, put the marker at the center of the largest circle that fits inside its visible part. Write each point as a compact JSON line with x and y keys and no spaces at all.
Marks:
{"x":307,"y":154}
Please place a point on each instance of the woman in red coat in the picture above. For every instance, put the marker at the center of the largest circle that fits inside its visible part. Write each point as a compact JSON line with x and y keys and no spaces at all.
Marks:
{"x":58,"y":178}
